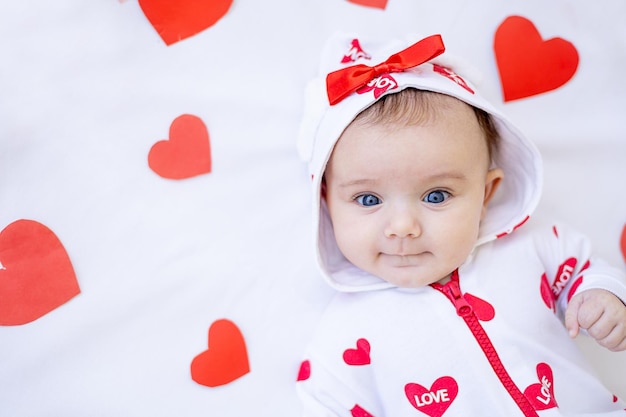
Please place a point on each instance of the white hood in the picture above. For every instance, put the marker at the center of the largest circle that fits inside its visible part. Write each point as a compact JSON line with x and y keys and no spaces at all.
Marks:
{"x":323,"y":124}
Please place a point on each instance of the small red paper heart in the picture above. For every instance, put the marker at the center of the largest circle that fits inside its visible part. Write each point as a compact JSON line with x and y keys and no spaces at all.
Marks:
{"x":622,"y":242}
{"x":436,"y":400}
{"x":305,"y":371}
{"x":358,"y":356}
{"x":186,"y":154}
{"x":36,"y":274}
{"x":226,"y":358}
{"x":180,"y":19}
{"x":527,"y":64}
{"x":541,"y":394}
{"x":358,"y":411}
{"x":379,"y":4}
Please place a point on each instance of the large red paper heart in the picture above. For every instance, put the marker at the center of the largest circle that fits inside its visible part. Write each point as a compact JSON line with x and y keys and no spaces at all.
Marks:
{"x":434,"y":401}
{"x":36,"y":274}
{"x":358,"y":356}
{"x":623,"y":242}
{"x":225,"y":360}
{"x":528,"y":65}
{"x":180,"y":19}
{"x":541,"y":394}
{"x":186,"y":154}
{"x":379,"y":4}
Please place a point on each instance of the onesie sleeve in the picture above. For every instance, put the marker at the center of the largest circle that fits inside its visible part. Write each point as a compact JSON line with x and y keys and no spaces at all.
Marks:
{"x":328,"y":390}
{"x":570,"y":267}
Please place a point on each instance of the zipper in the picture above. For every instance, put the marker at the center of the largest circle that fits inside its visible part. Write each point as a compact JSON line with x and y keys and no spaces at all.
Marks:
{"x":452,"y":290}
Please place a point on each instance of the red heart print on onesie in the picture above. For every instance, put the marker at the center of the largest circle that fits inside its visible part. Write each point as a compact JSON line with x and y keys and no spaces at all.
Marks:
{"x":541,"y":394}
{"x":436,"y":400}
{"x":546,"y":293}
{"x":358,"y":356}
{"x":358,"y":411}
{"x":378,"y":4}
{"x":483,"y":310}
{"x":36,"y":274}
{"x":186,"y":154}
{"x":304,"y":372}
{"x":226,"y":358}
{"x":180,"y":19}
{"x":527,"y":64}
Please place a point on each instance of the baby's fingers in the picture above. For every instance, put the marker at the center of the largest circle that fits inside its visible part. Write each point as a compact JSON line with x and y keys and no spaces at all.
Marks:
{"x":571,"y":315}
{"x":614,"y":340}
{"x":603,"y":316}
{"x":584,"y":311}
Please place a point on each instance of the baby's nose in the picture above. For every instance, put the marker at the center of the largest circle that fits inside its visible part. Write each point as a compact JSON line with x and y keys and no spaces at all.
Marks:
{"x":403,"y":223}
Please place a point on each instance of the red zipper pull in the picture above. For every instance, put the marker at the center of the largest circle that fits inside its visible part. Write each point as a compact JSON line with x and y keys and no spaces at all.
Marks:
{"x":453,"y":291}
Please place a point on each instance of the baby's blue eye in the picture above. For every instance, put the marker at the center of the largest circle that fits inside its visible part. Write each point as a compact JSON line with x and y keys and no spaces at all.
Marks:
{"x":368,"y":200}
{"x":436,"y":197}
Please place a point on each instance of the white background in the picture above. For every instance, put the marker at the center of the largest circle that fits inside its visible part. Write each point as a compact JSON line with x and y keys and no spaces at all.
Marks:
{"x":86,"y":88}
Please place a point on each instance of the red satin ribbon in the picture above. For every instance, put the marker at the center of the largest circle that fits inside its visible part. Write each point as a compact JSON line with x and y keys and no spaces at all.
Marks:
{"x":343,"y":82}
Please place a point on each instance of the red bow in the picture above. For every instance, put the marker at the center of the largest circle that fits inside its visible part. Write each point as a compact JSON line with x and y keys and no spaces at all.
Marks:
{"x":343,"y":82}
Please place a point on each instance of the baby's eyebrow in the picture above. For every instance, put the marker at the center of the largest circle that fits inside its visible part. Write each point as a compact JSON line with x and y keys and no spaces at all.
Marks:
{"x":451,"y":175}
{"x":361,"y":181}
{"x":447,"y":176}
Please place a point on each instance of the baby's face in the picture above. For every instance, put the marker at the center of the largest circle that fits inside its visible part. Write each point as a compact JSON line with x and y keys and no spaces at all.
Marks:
{"x":406,"y":202}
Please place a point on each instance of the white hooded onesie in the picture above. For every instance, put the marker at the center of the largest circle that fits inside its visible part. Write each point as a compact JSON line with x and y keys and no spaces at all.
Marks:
{"x":491,"y":342}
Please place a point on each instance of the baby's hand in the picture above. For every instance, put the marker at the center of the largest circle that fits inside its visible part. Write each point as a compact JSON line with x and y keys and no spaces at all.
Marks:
{"x":602,"y":314}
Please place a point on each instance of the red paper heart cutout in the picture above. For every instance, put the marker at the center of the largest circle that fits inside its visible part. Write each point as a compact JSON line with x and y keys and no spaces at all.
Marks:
{"x":358,"y":356}
{"x":622,"y":242}
{"x":180,"y":19}
{"x":226,"y":358}
{"x":378,"y":4}
{"x":527,"y":64}
{"x":483,"y":310}
{"x":305,"y":371}
{"x":36,"y":274}
{"x":434,"y":401}
{"x":541,"y":394}
{"x":358,"y":411}
{"x":186,"y":154}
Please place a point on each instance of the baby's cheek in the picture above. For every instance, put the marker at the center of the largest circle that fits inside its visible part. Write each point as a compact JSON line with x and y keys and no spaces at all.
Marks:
{"x":462,"y":234}
{"x":351,"y":236}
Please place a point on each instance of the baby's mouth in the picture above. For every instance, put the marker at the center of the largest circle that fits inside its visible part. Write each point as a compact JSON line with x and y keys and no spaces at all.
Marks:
{"x":403,"y":259}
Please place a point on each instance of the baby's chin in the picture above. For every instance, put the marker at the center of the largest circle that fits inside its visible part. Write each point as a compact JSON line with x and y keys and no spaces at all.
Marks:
{"x":407,"y":279}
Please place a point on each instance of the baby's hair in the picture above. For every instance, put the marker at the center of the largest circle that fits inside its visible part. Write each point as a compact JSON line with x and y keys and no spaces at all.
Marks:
{"x":412,"y":107}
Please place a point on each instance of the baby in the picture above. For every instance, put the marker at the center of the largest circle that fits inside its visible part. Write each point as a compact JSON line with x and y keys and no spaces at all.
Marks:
{"x":447,"y":303}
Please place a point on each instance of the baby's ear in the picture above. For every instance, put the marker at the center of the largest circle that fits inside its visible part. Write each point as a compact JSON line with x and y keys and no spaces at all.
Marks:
{"x":492,"y":181}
